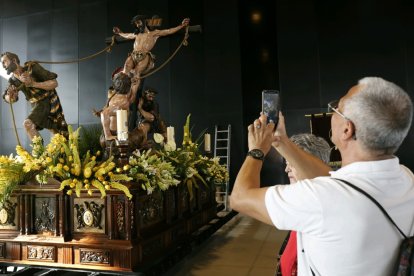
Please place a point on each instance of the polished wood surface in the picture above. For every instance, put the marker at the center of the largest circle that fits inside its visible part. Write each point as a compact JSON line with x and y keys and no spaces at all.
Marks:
{"x":50,"y":228}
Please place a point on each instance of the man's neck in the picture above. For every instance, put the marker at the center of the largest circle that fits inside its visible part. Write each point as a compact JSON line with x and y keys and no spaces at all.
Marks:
{"x":363,"y":157}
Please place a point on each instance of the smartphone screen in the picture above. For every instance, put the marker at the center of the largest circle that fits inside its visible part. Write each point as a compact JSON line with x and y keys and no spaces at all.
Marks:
{"x":271,"y":105}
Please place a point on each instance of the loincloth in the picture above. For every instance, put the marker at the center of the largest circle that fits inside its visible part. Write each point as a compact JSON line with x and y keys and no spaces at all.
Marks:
{"x":138,"y":56}
{"x":47,"y":113}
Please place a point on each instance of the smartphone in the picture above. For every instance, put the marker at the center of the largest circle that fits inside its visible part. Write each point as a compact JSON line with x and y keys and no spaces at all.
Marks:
{"x":271,"y":105}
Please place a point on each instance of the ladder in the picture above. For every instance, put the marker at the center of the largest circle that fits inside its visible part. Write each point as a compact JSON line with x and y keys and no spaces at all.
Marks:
{"x":222,"y":138}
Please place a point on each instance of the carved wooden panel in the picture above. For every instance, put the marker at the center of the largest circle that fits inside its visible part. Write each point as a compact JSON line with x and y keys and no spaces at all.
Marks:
{"x":41,"y":253}
{"x":8,"y":217}
{"x":152,"y":209}
{"x":120,"y":216}
{"x":89,"y":215}
{"x":65,"y":254}
{"x":45,"y":214}
{"x":94,"y":256}
{"x":2,"y":249}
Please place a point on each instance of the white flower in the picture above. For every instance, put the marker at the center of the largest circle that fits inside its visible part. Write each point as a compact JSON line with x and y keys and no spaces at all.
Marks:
{"x":190,"y":172}
{"x":158,"y":138}
{"x":170,"y":146}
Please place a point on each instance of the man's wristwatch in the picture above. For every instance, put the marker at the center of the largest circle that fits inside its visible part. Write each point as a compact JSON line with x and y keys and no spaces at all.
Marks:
{"x":256,"y":154}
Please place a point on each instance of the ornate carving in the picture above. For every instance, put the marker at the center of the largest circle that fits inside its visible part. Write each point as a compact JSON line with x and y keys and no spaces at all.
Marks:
{"x":152,"y":208}
{"x":40,"y":253}
{"x":8,"y":213}
{"x":94,"y":256}
{"x":131,"y":208}
{"x":2,"y":250}
{"x":120,"y":215}
{"x":46,"y":220}
{"x":89,"y":214}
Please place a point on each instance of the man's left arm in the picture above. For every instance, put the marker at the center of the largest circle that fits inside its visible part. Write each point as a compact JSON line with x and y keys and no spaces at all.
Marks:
{"x":170,"y":31}
{"x":247,"y":197}
{"x":39,"y":78}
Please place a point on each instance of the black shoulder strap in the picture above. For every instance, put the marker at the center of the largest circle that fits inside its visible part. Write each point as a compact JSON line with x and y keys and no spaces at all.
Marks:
{"x":373,"y":200}
{"x":282,"y":248}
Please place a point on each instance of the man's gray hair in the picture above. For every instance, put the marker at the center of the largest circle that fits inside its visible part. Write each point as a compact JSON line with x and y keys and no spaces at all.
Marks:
{"x":381,"y":112}
{"x":313,"y":144}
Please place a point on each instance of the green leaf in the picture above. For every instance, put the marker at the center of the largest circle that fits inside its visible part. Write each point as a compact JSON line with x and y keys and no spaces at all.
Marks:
{"x":190,"y":187}
{"x":97,"y":184}
{"x":123,"y":188}
{"x":78,"y":188}
{"x":64,"y":183}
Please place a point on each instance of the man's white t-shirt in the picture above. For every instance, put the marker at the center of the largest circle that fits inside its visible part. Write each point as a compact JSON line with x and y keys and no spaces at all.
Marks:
{"x":339,"y":230}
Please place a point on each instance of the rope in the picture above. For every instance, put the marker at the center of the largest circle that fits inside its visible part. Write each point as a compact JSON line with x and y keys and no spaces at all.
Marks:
{"x":183,"y":42}
{"x":106,"y":49}
{"x":14,"y":123}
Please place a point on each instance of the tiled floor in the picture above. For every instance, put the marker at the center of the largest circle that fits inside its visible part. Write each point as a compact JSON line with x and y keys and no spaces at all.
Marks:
{"x":243,"y":246}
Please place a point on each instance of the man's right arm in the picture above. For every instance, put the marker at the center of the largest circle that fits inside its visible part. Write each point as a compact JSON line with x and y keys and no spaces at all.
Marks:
{"x":11,"y":94}
{"x":307,"y":165}
{"x":117,"y":31}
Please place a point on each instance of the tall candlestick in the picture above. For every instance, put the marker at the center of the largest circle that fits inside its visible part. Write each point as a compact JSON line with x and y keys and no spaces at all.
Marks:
{"x":207,"y":142}
{"x":170,"y":135}
{"x":122,"y":124}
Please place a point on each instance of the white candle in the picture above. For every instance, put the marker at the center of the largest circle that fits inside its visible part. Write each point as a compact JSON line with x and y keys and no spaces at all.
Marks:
{"x":207,"y":142}
{"x":170,"y":135}
{"x":122,"y":124}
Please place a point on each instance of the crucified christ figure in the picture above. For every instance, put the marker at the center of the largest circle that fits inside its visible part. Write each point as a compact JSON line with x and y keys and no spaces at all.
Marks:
{"x":141,"y":60}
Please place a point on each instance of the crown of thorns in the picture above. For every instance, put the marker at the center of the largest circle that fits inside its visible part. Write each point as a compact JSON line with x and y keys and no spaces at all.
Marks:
{"x":150,"y":91}
{"x":154,"y":21}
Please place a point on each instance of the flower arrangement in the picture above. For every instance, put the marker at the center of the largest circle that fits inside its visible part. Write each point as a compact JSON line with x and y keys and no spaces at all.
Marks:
{"x":191,"y":167}
{"x":152,"y":171}
{"x":11,"y":175}
{"x":157,"y":169}
{"x":60,"y":159}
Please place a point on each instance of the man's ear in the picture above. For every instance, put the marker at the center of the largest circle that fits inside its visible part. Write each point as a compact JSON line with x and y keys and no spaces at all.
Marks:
{"x":349,"y":131}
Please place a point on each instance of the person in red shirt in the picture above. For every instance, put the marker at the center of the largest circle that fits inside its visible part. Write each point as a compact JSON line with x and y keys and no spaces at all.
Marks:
{"x":287,"y":258}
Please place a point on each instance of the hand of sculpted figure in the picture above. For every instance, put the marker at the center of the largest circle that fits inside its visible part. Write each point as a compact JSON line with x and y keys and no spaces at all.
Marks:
{"x":38,"y":85}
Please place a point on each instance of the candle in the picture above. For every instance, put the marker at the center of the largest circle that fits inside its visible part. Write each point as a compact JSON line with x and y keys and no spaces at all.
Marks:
{"x":122,"y":124}
{"x":207,"y":142}
{"x":170,"y":135}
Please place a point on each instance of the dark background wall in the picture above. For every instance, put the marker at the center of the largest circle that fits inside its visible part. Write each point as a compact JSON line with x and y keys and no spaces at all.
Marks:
{"x":312,"y":51}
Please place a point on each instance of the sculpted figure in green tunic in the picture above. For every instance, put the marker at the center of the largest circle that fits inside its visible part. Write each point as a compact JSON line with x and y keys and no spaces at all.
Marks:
{"x":38,"y":85}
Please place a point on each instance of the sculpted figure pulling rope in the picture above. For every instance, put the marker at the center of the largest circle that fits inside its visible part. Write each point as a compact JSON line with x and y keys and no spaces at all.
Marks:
{"x":38,"y":85}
